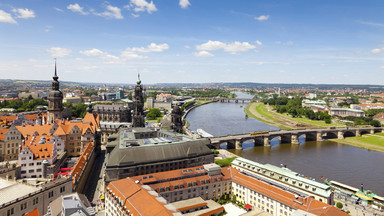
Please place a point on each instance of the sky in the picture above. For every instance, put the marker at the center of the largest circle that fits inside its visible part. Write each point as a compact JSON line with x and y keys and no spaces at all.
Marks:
{"x":194,"y":41}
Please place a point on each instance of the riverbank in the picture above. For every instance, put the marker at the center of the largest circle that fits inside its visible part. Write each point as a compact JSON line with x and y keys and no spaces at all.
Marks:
{"x":368,"y":141}
{"x":257,"y":111}
{"x":262,"y":113}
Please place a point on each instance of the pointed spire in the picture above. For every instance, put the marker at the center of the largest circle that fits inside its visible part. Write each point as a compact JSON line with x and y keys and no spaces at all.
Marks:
{"x":138,"y":79}
{"x":55,"y":77}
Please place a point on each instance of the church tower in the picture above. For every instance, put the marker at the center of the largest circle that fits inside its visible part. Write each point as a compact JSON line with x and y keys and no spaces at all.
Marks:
{"x":138,"y":112}
{"x":177,"y":123}
{"x":55,"y":100}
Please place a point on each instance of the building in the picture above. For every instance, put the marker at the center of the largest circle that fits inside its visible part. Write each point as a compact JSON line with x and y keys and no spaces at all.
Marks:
{"x":21,"y":197}
{"x":119,"y":94}
{"x":37,"y":153}
{"x":138,"y":112}
{"x":112,"y":113}
{"x":125,"y":197}
{"x":151,"y":103}
{"x":12,"y":139}
{"x":72,"y":100}
{"x":9,"y":170}
{"x":311,"y":95}
{"x":75,"y":134}
{"x":198,"y":207}
{"x":55,"y":100}
{"x":83,"y":166}
{"x":209,"y":181}
{"x":137,"y":151}
{"x":71,"y":204}
{"x":188,"y":191}
{"x":276,"y":199}
{"x":370,"y":106}
{"x":309,"y":103}
{"x":286,"y":177}
{"x":164,"y":97}
{"x":112,"y":117}
{"x":346,"y":112}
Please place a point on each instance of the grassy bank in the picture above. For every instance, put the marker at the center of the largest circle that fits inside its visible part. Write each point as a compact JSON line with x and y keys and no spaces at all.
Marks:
{"x":368,"y":141}
{"x":284,"y":121}
{"x":258,"y":113}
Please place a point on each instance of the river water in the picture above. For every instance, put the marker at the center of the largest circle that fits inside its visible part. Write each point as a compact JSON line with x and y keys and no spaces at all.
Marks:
{"x":333,"y":161}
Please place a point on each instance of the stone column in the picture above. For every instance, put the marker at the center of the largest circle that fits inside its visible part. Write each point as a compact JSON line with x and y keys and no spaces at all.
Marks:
{"x":267,"y":142}
{"x":238,"y":144}
{"x":358,"y":134}
{"x":294,"y":139}
{"x":319,"y":137}
{"x":340,"y":135}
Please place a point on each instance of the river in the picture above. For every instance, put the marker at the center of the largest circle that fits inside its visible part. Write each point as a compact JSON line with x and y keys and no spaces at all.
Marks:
{"x":333,"y":161}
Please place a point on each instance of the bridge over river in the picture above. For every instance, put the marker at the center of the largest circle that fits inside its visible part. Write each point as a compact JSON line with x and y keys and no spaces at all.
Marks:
{"x":226,"y":100}
{"x":292,"y":136}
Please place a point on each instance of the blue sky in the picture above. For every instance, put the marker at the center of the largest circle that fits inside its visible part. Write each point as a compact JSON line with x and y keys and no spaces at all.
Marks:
{"x":287,"y":41}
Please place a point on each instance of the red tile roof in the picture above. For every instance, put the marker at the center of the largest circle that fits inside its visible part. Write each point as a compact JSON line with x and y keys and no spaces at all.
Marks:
{"x":79,"y":166}
{"x":137,"y":199}
{"x":35,"y":212}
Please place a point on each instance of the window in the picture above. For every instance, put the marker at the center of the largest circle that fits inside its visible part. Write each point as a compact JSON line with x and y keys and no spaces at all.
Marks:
{"x":50,"y":194}
{"x":35,"y":201}
{"x":23,"y":206}
{"x":10,"y":212}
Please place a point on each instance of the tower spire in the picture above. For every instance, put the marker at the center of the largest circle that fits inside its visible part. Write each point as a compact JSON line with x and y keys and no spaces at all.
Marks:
{"x":138,"y":79}
{"x":55,"y":77}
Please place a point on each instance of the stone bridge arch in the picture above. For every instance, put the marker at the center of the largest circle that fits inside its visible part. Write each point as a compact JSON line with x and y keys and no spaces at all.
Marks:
{"x":331,"y":135}
{"x":349,"y":133}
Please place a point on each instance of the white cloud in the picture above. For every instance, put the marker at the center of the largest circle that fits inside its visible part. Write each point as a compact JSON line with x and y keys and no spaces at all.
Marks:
{"x":128,"y":53}
{"x":233,"y":47}
{"x":135,"y":15}
{"x":111,"y":12}
{"x":203,"y":54}
{"x":76,"y":8}
{"x":184,"y":4}
{"x":58,"y":9}
{"x":59,"y":51}
{"x":108,"y":58}
{"x":92,"y":52}
{"x":6,"y":17}
{"x":262,"y":17}
{"x":151,"y":48}
{"x":23,"y":13}
{"x":142,"y":5}
{"x":376,"y":51}
{"x":259,"y":43}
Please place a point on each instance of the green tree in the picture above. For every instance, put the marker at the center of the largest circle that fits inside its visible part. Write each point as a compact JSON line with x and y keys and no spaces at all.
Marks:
{"x":339,"y":205}
{"x":375,"y":123}
{"x":79,"y":110}
{"x":153,"y":114}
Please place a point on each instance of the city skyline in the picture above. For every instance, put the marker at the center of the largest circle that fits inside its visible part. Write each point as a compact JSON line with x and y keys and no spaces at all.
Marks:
{"x":193,"y":41}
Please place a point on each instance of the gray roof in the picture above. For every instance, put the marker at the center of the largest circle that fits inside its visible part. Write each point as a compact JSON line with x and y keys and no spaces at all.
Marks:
{"x":157,"y":153}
